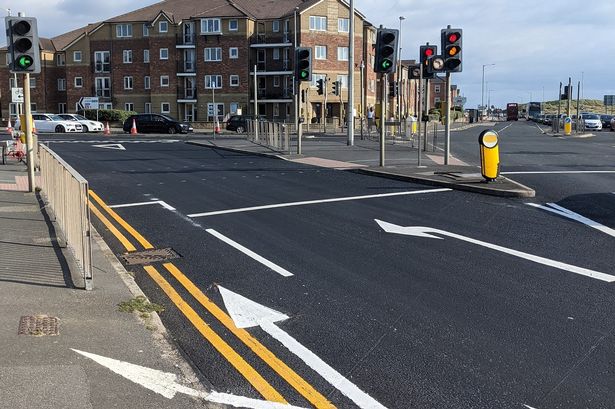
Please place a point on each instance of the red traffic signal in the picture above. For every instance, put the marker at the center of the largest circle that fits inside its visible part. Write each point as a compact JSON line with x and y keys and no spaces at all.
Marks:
{"x":451,"y":48}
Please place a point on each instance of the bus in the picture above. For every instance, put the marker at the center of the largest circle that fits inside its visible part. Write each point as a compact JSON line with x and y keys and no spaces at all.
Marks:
{"x":534,"y":111}
{"x":512,"y":111}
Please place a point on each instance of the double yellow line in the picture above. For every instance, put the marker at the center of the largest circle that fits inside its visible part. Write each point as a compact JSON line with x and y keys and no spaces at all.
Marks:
{"x":237,"y":361}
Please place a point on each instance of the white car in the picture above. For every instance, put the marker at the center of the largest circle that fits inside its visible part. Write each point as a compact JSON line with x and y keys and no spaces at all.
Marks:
{"x":592,"y":121}
{"x":53,"y":123}
{"x":88,"y":125}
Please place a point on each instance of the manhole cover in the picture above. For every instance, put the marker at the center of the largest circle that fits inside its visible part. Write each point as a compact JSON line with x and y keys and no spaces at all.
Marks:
{"x":149,"y":256}
{"x":38,"y":325}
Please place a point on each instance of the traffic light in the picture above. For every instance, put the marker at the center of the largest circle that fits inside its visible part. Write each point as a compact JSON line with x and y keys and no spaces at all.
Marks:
{"x":414,"y":72}
{"x":393,"y":90}
{"x":335,"y":88}
{"x":23,"y":46}
{"x":567,"y":92}
{"x":320,"y":84}
{"x":303,"y":64}
{"x":386,"y":50}
{"x":435,"y":64}
{"x":425,"y":53}
{"x":302,"y":96}
{"x":451,"y":48}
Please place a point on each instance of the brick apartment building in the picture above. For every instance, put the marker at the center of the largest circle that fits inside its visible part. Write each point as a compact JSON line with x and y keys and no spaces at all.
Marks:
{"x":191,"y":59}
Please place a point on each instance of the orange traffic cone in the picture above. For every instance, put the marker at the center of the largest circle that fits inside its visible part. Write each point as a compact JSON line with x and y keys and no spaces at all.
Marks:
{"x":9,"y":128}
{"x":133,"y":130}
{"x":107,"y":130}
{"x":217,"y":127}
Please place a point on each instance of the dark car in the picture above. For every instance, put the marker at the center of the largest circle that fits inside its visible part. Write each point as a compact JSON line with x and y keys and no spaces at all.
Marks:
{"x":237,"y":123}
{"x":156,"y":123}
{"x":606,"y":121}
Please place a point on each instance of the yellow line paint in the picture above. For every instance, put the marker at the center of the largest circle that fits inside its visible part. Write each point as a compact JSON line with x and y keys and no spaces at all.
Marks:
{"x":125,"y":242}
{"x":290,"y":376}
{"x":244,"y":368}
{"x":146,"y":244}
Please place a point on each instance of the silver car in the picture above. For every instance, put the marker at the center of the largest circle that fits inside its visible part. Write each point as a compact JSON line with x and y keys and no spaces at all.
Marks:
{"x":87,"y":124}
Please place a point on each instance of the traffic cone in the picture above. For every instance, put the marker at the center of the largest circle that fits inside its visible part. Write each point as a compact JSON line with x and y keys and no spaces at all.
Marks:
{"x":133,"y":130}
{"x":9,"y":128}
{"x":217,"y":127}
{"x":107,"y":131}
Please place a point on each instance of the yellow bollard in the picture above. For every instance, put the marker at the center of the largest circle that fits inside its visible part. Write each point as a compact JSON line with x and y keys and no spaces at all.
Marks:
{"x":489,"y":154}
{"x":567,"y":126}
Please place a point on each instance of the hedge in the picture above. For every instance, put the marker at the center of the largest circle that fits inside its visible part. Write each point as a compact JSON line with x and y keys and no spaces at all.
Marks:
{"x":104,"y":115}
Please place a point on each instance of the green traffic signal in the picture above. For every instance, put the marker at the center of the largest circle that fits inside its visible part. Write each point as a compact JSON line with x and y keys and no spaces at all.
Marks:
{"x":25,"y":61}
{"x":386,"y":64}
{"x":304,"y":74}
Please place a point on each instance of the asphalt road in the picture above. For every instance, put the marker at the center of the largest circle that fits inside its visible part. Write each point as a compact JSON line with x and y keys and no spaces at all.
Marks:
{"x":412,"y":321}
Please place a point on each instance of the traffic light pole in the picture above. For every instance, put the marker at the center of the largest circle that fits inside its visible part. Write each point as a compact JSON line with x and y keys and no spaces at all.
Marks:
{"x":447,"y":123}
{"x":420,"y":118}
{"x":383,"y":102}
{"x":569,"y":97}
{"x":29,"y":139}
{"x":426,"y":100}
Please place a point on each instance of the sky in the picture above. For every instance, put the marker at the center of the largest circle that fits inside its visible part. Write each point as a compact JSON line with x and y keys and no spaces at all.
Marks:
{"x":534,"y":44}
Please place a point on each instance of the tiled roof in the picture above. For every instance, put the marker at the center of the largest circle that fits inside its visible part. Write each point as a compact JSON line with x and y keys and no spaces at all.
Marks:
{"x":65,"y":39}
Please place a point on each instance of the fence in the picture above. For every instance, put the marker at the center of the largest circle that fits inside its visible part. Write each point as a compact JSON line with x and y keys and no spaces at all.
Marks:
{"x":66,"y":192}
{"x":275,"y":135}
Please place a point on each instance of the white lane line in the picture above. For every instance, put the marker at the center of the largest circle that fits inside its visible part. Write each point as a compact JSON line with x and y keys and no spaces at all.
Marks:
{"x":562,"y":211}
{"x":558,"y":172}
{"x":158,"y":202}
{"x":309,"y":202}
{"x":281,"y":271}
{"x":506,"y":127}
{"x":529,"y":407}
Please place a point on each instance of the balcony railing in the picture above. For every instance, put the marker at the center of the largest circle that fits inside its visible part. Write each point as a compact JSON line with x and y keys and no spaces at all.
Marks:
{"x":185,"y":39}
{"x":101,"y":92}
{"x":271,"y":38}
{"x":186,"y":93}
{"x":186,"y":67}
{"x":101,"y":68}
{"x":265,"y":93}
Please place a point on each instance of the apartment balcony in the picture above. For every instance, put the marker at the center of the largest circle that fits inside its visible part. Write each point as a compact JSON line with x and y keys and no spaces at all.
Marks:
{"x":100,"y":68}
{"x":186,"y":68}
{"x":271,"y":40}
{"x":275,"y":95}
{"x":186,"y":94}
{"x":275,"y":67}
{"x":185,"y":40}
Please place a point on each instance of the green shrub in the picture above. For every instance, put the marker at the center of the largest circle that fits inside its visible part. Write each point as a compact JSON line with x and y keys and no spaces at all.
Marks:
{"x":104,"y":115}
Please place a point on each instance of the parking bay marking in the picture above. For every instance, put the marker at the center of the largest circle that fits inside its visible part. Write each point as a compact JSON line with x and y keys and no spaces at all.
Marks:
{"x":309,"y":202}
{"x":562,"y":211}
{"x":428,"y":232}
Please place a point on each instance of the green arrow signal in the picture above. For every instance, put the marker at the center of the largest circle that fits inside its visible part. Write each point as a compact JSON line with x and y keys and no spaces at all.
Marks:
{"x":304,"y":74}
{"x":24,"y":61}
{"x":386,"y":64}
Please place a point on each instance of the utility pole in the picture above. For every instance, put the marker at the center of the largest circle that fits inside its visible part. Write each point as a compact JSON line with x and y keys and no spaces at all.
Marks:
{"x":447,"y":123}
{"x":296,"y":87}
{"x":255,"y":105}
{"x":559,"y":106}
{"x":420,"y":116}
{"x":383,"y":102}
{"x":350,"y":113}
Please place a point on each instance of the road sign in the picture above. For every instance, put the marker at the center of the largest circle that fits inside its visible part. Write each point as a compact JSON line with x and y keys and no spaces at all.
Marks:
{"x":459,"y":101}
{"x":609,"y":100}
{"x":17,"y":95}
{"x":89,"y":102}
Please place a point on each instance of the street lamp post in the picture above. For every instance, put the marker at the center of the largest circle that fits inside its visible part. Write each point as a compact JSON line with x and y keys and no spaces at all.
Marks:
{"x":482,"y":90}
{"x":401,"y":18}
{"x":350,"y":113}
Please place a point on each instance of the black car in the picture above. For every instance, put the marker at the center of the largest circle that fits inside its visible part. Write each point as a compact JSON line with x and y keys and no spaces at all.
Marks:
{"x":606,"y":121}
{"x":156,"y":123}
{"x":237,"y":123}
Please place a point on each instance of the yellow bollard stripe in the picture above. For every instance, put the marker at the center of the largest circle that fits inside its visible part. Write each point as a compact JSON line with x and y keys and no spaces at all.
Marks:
{"x":244,"y":368}
{"x":125,"y":242}
{"x":290,"y":376}
{"x":146,"y":244}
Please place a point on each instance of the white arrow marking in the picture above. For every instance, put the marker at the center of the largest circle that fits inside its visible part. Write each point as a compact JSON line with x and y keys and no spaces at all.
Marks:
{"x":116,"y":146}
{"x":160,"y":202}
{"x":247,"y":313}
{"x":164,"y":383}
{"x":562,"y":211}
{"x":429,"y":232}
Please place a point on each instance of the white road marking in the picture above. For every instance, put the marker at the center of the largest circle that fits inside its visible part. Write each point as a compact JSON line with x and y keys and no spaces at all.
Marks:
{"x":247,"y":313}
{"x":309,"y":202}
{"x":562,"y":211}
{"x":529,"y":407}
{"x":506,"y":127}
{"x":558,"y":172}
{"x":429,"y":232}
{"x":250,"y":253}
{"x":151,"y":202}
{"x":115,"y":146}
{"x":165,"y":384}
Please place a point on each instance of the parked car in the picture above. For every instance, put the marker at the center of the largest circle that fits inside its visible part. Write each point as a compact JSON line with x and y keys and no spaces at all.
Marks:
{"x":87,"y":124}
{"x":613,"y":124}
{"x":52,"y":123}
{"x":606,"y":121}
{"x":157,"y":123}
{"x":592,"y":121}
{"x":237,"y":123}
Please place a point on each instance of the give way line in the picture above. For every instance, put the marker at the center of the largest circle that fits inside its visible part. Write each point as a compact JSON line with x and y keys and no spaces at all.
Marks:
{"x":310,"y":202}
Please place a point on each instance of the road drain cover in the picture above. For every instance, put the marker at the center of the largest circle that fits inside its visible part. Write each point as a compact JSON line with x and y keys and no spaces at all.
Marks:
{"x":38,"y":325}
{"x":149,"y":256}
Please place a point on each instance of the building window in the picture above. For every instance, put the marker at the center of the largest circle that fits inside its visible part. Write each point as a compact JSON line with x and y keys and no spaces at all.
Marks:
{"x":318,"y":23}
{"x":127,"y":82}
{"x":343,"y":25}
{"x":233,"y":52}
{"x":78,"y":82}
{"x":13,"y":109}
{"x":145,"y":30}
{"x":210,"y":25}
{"x":213,"y":81}
{"x":62,"y":108}
{"x":129,"y":106}
{"x":127,"y":56}
{"x":102,"y":61}
{"x":164,"y":80}
{"x":234,"y":81}
{"x":320,"y":52}
{"x":103,"y":86}
{"x":260,"y":56}
{"x":275,"y":26}
{"x":164,"y":53}
{"x":233,"y":25}
{"x":148,"y":108}
{"x":436,"y":100}
{"x":343,"y":80}
{"x":32,"y":82}
{"x":12,"y":82}
{"x":233,"y":107}
{"x":217,"y":110}
{"x":436,"y":88}
{"x":33,"y":107}
{"x":342,"y":53}
{"x":146,"y":56}
{"x":147,"y":82}
{"x":163,"y":27}
{"x":213,"y":54}
{"x":60,"y":60}
{"x":276,"y":53}
{"x":77,"y":56}
{"x":165,"y":108}
{"x":316,"y":77}
{"x":61,"y":84}
{"x":123,"y":30}
{"x":276,"y":81}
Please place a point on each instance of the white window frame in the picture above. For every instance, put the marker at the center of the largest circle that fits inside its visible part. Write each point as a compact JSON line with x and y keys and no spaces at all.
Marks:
{"x":233,"y":53}
{"x":165,"y":81}
{"x":32,"y":82}
{"x":210,"y":79}
{"x":343,"y":25}
{"x":61,"y":84}
{"x":276,"y":54}
{"x":436,"y":88}
{"x":165,"y":111}
{"x":233,"y":80}
{"x":77,"y":59}
{"x":318,"y":23}
{"x":123,"y":30}
{"x":275,"y":26}
{"x":147,"y":108}
{"x":342,"y":53}
{"x":146,"y":56}
{"x":147,"y":82}
{"x":127,"y":56}
{"x":103,"y":81}
{"x":129,"y":106}
{"x":230,"y":28}
{"x":12,"y":83}
{"x":166,"y":50}
{"x":60,"y":60}
{"x":211,"y":26}
{"x":78,"y":84}
{"x":145,"y":30}
{"x":102,"y":55}
{"x":164,"y":24}
{"x":316,"y":77}
{"x":212,"y":54}
{"x":128,"y":82}
{"x":318,"y":52}
{"x":61,"y":107}
{"x":343,"y":79}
